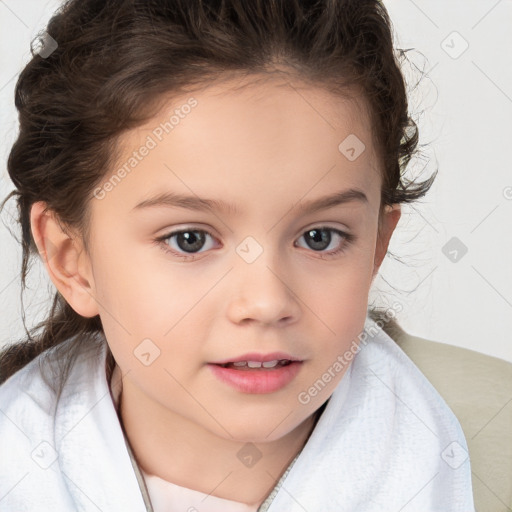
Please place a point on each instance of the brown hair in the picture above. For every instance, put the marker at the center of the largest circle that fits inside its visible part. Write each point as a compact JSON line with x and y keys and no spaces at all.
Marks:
{"x":116,"y":59}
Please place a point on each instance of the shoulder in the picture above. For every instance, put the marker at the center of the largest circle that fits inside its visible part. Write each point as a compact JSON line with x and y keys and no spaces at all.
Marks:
{"x":34,"y":404}
{"x":25,"y":385}
{"x":390,"y":370}
{"x":29,"y":398}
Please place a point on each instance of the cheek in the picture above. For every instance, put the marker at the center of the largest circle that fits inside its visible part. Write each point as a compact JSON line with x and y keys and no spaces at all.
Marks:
{"x":140,"y":292}
{"x":139,"y":302}
{"x":339,"y":302}
{"x":346,"y":284}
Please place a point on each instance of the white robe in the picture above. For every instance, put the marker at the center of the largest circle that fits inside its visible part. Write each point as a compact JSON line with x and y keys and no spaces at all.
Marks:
{"x":386,"y":442}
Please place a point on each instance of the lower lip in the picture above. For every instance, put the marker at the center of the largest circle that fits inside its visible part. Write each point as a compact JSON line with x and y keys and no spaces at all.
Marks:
{"x":257,"y":380}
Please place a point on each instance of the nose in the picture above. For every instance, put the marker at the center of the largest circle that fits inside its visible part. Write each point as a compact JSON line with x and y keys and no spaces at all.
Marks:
{"x":263,"y":293}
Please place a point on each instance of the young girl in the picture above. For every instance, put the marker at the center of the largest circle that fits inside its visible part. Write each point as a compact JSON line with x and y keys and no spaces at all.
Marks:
{"x":212,"y":187}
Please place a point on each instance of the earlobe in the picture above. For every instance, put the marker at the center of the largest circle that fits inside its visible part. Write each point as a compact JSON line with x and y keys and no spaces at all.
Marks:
{"x":65,"y":260}
{"x":387,"y":225}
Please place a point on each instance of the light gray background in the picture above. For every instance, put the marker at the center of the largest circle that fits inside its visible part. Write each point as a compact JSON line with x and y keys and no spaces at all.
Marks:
{"x":463,"y":106}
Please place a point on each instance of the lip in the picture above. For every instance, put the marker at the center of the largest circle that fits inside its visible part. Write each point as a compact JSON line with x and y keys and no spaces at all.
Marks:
{"x":261,"y":358}
{"x":257,"y":380}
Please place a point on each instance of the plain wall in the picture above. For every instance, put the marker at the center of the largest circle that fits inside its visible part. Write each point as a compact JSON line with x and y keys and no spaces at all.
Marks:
{"x":463,"y":106}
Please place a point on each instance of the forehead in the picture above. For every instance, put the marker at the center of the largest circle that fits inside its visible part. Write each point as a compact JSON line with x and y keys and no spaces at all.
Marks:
{"x":281,"y":140}
{"x":278,"y":101}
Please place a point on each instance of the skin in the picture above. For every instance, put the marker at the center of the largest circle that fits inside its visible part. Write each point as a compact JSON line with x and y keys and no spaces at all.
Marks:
{"x":264,"y":147}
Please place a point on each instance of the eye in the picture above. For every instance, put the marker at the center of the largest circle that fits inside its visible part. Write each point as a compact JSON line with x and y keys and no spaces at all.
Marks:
{"x":319,"y":238}
{"x":188,"y":240}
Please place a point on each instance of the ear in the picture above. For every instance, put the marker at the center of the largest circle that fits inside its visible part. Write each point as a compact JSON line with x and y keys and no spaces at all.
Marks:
{"x":65,"y":260}
{"x":387,"y":224}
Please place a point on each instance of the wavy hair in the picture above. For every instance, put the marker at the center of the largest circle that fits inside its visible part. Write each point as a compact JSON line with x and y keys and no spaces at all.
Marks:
{"x":116,"y":59}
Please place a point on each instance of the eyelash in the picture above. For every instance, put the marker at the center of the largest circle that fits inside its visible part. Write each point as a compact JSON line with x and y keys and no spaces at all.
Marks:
{"x":161,"y":241}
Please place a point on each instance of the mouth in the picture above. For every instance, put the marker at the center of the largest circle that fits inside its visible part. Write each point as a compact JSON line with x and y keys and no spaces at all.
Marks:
{"x":258,"y":365}
{"x":257,"y":374}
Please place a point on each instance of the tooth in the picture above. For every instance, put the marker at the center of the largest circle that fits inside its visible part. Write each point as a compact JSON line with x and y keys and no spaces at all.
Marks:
{"x":270,"y":364}
{"x":253,"y":364}
{"x":240,"y":363}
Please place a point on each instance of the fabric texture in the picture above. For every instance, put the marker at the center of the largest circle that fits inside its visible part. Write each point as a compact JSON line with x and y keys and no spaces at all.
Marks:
{"x":478,"y":389}
{"x":385,"y":441}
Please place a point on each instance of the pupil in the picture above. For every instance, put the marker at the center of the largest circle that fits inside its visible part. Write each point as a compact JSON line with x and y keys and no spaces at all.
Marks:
{"x":320,"y":237}
{"x":190,"y":241}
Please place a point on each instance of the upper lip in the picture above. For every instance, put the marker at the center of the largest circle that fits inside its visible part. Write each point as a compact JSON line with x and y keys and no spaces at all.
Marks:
{"x":261,"y":358}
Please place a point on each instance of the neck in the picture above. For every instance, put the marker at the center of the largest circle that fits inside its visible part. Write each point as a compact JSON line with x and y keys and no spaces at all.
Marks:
{"x":179,"y":451}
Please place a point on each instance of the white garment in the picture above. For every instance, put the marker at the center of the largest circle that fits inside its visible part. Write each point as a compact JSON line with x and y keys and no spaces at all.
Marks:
{"x":386,"y":442}
{"x":167,"y":497}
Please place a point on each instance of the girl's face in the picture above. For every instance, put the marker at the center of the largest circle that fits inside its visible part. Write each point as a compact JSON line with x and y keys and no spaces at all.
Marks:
{"x":256,"y":269}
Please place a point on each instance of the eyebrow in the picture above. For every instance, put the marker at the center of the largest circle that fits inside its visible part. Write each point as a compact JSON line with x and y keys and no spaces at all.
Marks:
{"x":173,"y":200}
